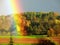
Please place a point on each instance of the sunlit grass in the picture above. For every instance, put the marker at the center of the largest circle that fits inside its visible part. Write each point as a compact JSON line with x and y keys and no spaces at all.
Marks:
{"x":16,"y":44}
{"x":32,"y":36}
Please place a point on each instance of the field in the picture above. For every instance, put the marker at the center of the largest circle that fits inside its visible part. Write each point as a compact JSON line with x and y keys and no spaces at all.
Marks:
{"x":25,"y":40}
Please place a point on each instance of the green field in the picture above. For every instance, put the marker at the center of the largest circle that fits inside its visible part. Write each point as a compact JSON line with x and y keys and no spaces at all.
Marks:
{"x":32,"y":36}
{"x":18,"y":44}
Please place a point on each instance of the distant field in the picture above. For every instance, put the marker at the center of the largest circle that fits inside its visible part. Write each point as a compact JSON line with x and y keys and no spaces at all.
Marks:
{"x":26,"y":40}
{"x":17,"y":44}
{"x":32,"y":36}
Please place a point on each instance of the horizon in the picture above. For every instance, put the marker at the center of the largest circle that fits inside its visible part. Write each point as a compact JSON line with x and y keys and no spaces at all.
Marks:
{"x":26,"y":12}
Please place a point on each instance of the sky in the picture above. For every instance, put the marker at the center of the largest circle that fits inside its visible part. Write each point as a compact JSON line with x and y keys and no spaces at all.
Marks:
{"x":31,"y":5}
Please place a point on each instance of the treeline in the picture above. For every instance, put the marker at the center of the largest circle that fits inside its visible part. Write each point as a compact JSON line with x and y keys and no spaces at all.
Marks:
{"x":5,"y":24}
{"x":32,"y":23}
{"x":38,"y":23}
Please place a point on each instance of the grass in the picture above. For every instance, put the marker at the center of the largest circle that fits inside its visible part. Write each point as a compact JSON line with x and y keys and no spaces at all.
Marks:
{"x":32,"y":36}
{"x":22,"y":44}
{"x":17,"y":44}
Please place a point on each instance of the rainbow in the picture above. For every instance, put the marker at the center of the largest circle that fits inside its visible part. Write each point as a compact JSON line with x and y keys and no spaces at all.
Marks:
{"x":16,"y":10}
{"x":15,"y":6}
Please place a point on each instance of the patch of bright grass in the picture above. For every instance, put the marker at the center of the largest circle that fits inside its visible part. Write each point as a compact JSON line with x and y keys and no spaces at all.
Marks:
{"x":32,"y":36}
